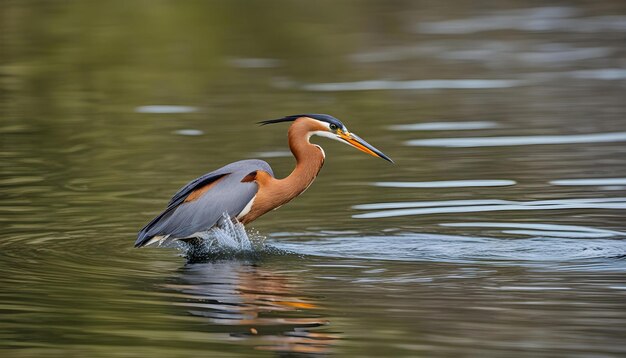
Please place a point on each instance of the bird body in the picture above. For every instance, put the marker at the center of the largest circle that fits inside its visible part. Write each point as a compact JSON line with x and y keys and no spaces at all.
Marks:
{"x":247,"y":189}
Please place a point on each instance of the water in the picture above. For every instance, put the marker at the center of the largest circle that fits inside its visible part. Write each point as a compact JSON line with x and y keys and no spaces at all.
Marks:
{"x":446,"y":183}
{"x":499,"y":231}
{"x":438,"y":126}
{"x":471,"y":206}
{"x":411,"y":85}
{"x":521,"y":140}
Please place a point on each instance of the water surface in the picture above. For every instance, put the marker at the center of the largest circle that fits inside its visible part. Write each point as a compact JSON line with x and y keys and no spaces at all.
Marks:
{"x":499,"y":231}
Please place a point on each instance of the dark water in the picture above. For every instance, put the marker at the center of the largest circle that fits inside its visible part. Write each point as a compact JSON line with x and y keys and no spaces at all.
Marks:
{"x":500,"y":231}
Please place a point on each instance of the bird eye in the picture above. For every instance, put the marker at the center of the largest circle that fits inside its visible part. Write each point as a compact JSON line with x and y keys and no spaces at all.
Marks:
{"x":333,"y":127}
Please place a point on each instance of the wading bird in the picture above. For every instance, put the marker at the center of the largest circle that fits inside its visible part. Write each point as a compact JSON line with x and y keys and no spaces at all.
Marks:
{"x":247,"y":189}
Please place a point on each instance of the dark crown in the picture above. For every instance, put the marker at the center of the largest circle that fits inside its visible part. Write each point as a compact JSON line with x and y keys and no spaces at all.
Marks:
{"x":320,"y":117}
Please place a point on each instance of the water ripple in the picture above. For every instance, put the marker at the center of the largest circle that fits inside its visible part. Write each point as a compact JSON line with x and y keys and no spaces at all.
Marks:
{"x":533,"y":19}
{"x":255,"y":62}
{"x":600,"y":74}
{"x":253,"y":302}
{"x":519,"y":140}
{"x":272,"y":154}
{"x":531,"y":251}
{"x":170,"y":109}
{"x":539,"y":229}
{"x":412,"y":85}
{"x":591,"y":182}
{"x":444,"y":126}
{"x":189,"y":132}
{"x":474,"y":206}
{"x":445,"y":184}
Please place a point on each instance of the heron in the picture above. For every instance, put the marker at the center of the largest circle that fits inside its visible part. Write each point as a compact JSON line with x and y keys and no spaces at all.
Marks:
{"x":247,"y":189}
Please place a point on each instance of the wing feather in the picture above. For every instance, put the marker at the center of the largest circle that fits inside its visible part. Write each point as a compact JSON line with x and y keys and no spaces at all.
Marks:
{"x":229,"y":195}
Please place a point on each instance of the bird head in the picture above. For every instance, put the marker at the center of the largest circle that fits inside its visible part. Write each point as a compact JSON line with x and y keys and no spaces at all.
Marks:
{"x":330,"y":127}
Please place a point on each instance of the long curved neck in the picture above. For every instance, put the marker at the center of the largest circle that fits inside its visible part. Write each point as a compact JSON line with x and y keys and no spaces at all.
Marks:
{"x":309,"y":158}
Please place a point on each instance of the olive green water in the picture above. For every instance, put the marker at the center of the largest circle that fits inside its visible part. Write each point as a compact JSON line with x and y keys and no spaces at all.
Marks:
{"x":511,"y":244}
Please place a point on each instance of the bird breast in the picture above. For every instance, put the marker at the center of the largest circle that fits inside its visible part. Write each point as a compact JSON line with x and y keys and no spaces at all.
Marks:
{"x":246,"y":209}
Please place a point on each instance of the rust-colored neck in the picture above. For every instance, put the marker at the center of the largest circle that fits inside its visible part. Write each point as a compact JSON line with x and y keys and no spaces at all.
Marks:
{"x":309,"y":158}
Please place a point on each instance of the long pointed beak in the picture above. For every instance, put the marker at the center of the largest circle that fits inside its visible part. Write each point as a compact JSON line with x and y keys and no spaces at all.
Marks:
{"x":360,"y":144}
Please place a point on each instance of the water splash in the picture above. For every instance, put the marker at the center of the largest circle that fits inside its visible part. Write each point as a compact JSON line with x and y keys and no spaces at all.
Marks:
{"x":228,"y":239}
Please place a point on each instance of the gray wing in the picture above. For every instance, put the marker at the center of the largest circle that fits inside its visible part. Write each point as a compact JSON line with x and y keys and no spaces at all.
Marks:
{"x":228,"y":196}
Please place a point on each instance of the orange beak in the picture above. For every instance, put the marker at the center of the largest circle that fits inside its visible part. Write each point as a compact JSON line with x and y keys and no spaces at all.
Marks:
{"x":360,"y":144}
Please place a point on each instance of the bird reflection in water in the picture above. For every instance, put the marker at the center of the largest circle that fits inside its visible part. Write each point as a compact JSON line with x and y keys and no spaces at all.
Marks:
{"x":253,"y":304}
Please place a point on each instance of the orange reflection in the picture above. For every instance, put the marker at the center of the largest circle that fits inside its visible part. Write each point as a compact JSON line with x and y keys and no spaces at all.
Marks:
{"x":255,"y":304}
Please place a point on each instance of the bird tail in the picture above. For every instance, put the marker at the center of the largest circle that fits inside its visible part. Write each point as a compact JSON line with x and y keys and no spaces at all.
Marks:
{"x":146,"y":234}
